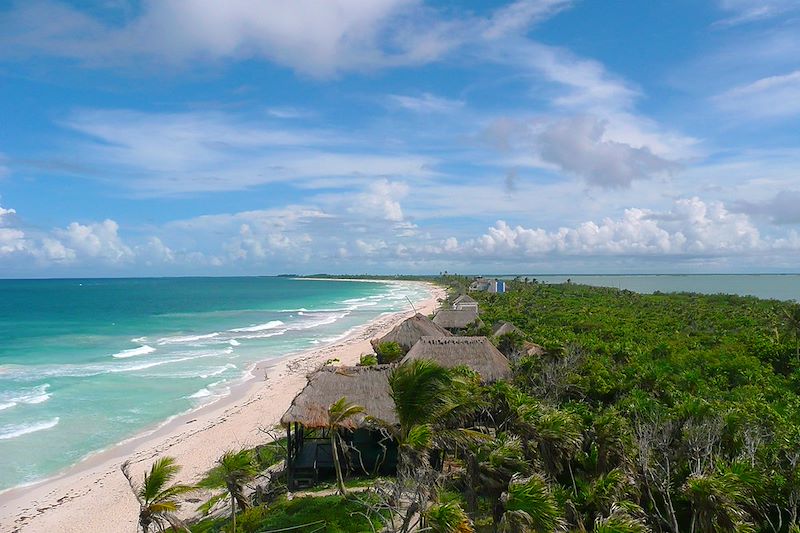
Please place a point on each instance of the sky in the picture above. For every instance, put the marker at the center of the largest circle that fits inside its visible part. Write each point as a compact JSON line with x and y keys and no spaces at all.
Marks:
{"x":197,"y":137}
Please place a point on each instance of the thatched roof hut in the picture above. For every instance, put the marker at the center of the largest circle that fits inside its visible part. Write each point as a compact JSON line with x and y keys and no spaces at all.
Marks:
{"x":476,"y":353}
{"x":367,"y":386}
{"x":465,"y":302}
{"x":408,"y":332}
{"x":454,"y":319}
{"x":504,"y":328}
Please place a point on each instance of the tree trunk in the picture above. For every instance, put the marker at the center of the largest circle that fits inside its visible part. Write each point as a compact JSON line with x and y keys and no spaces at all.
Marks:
{"x":233,"y":513}
{"x":336,"y":465}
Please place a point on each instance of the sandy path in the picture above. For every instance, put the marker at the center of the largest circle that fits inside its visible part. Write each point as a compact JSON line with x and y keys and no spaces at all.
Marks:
{"x":94,"y":496}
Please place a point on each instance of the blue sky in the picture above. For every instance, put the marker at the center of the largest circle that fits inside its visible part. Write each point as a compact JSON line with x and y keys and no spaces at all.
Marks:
{"x":186,"y":137}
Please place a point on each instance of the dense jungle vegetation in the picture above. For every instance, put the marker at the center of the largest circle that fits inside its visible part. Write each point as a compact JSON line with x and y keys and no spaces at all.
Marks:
{"x":642,"y":413}
{"x":674,"y":412}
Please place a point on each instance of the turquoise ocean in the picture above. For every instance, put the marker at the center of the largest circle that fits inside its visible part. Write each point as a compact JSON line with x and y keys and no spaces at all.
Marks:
{"x":85,"y":364}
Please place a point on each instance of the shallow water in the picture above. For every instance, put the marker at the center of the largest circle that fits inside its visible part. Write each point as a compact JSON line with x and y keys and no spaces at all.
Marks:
{"x":85,"y":364}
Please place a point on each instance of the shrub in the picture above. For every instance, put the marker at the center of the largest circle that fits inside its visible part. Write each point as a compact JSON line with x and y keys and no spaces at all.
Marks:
{"x":389,"y":352}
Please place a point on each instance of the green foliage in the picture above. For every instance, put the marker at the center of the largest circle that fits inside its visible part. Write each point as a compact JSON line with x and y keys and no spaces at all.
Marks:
{"x":389,"y":352}
{"x":531,"y":506}
{"x":448,"y":517}
{"x":158,"y":500}
{"x":333,"y":514}
{"x":687,"y":404}
{"x":368,"y":359}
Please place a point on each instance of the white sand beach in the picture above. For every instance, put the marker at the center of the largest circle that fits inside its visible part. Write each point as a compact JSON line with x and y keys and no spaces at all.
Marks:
{"x":94,"y":496}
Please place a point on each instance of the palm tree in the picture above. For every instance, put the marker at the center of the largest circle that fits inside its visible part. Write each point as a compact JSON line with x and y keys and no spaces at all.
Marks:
{"x":422,"y":391}
{"x":158,"y":500}
{"x":716,"y":500}
{"x":233,"y":471}
{"x":338,"y":413}
{"x":530,"y":506}
{"x":447,"y":518}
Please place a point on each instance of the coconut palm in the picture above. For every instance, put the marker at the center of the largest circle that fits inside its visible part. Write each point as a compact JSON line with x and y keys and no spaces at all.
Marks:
{"x":716,"y":500}
{"x":530,"y":506}
{"x":233,"y":471}
{"x":338,"y":413}
{"x":620,"y":520}
{"x":158,"y":500}
{"x":447,"y":518}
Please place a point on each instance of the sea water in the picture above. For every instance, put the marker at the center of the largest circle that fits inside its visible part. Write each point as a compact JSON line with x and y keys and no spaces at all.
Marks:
{"x":85,"y":364}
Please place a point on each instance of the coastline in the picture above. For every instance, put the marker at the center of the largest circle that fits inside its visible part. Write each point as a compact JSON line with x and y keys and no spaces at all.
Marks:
{"x":93,"y":494}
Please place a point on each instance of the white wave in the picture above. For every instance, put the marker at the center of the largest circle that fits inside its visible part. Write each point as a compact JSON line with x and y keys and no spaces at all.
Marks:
{"x":216,"y":372}
{"x":13,"y":431}
{"x":30,"y":396}
{"x":202,"y":393}
{"x":272,"y":324}
{"x":186,"y":338}
{"x":133,"y":352}
{"x":139,"y":340}
{"x":264,"y":335}
{"x":234,"y":342}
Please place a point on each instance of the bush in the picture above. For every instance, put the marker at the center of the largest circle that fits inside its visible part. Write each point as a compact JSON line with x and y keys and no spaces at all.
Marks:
{"x":389,"y":352}
{"x":368,"y":359}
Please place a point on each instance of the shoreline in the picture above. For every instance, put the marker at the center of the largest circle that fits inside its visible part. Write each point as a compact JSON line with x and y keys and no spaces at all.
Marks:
{"x":93,"y":494}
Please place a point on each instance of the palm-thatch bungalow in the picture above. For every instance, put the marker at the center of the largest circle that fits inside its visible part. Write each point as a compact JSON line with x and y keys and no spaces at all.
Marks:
{"x":455,"y":320}
{"x":408,"y":332}
{"x":465,"y":302}
{"x":504,"y":328}
{"x":369,"y":449}
{"x":476,"y":353}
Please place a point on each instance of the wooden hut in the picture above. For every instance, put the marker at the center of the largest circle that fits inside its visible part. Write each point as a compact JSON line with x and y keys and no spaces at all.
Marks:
{"x":465,"y":302}
{"x":476,"y":353}
{"x":309,"y":454}
{"x":455,"y":320}
{"x":408,"y":332}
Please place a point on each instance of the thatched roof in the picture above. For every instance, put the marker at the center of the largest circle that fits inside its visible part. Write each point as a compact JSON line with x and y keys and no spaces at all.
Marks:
{"x":476,"y":353}
{"x":408,"y":332}
{"x":534,"y":349}
{"x":456,"y":318}
{"x":504,"y":328}
{"x":367,"y":386}
{"x":464,"y":299}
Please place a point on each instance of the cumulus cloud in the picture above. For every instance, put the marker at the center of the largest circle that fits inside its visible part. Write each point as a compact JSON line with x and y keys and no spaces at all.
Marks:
{"x":782,"y":208}
{"x":577,"y":146}
{"x":691,"y":227}
{"x":96,"y":240}
{"x":381,"y":200}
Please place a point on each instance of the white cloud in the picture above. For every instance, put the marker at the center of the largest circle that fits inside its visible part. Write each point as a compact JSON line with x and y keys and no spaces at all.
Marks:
{"x":194,"y":152}
{"x":518,"y":16}
{"x":96,"y":240}
{"x":320,"y":38}
{"x":425,"y":103}
{"x":381,"y":200}
{"x":747,"y":11}
{"x":578,"y":145}
{"x":691,"y":227}
{"x":770,"y":97}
